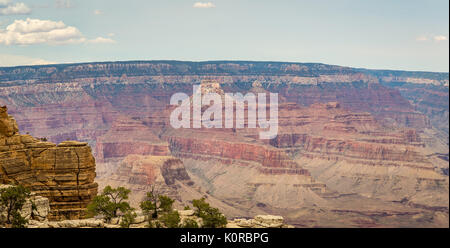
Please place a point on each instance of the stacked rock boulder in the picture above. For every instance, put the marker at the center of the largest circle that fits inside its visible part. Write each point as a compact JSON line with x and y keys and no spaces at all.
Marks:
{"x":62,"y":173}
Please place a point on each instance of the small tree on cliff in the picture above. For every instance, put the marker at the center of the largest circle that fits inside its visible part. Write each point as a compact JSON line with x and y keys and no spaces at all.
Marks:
{"x":149,"y":205}
{"x":128,"y":218}
{"x":212,"y":218}
{"x":171,"y":219}
{"x":155,"y":202}
{"x":109,"y":203}
{"x":12,"y":200}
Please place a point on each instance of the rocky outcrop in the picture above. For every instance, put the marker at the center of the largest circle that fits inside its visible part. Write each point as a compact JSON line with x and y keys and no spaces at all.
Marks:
{"x":8,"y":126}
{"x":260,"y":221}
{"x":62,"y":173}
{"x":141,"y":221}
{"x":142,"y":174}
{"x":146,"y":170}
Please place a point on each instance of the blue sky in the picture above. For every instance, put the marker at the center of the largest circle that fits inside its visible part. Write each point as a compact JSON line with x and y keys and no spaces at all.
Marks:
{"x":407,"y":35}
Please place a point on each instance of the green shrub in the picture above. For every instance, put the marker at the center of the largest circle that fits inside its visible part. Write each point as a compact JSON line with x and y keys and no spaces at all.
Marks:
{"x":12,"y":200}
{"x":212,"y":218}
{"x":149,"y":206}
{"x":171,"y":219}
{"x":189,"y":223}
{"x":109,"y":203}
{"x":165,"y":203}
{"x":128,"y":218}
{"x":153,"y":202}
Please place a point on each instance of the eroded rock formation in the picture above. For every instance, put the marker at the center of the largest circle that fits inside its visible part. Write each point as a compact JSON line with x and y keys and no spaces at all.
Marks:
{"x":62,"y":173}
{"x":143,"y":174}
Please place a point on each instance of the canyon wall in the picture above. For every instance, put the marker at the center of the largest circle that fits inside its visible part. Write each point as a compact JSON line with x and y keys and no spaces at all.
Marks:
{"x":361,"y":135}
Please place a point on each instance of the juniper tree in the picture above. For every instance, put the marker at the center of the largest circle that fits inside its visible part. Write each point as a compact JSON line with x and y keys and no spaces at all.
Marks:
{"x":212,"y":218}
{"x":171,"y":219}
{"x":12,"y":200}
{"x":128,"y":218}
{"x":154,"y":201}
{"x":109,"y":203}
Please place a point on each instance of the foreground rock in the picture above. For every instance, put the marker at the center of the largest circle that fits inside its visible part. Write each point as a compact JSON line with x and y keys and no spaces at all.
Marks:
{"x":260,"y":221}
{"x":62,"y":173}
{"x":141,"y":221}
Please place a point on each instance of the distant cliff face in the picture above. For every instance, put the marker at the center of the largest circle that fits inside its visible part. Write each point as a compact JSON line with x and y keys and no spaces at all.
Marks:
{"x":429,"y":99}
{"x":305,"y":71}
{"x":102,"y":89}
{"x":63,"y":173}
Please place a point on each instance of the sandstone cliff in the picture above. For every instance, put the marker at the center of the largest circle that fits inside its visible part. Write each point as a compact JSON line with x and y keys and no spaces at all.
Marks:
{"x":63,"y":173}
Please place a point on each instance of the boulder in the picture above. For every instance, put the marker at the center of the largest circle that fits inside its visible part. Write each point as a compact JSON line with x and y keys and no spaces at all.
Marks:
{"x":272,"y":221}
{"x":186,"y":212}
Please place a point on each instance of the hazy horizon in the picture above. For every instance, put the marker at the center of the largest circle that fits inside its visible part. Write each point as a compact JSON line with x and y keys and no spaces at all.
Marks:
{"x":214,"y":61}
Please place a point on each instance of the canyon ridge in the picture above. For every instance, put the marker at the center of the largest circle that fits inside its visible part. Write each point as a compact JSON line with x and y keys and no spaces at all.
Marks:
{"x":355,"y":147}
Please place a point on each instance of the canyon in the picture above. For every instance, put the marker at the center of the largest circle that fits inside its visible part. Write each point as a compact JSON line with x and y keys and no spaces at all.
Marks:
{"x":355,"y":147}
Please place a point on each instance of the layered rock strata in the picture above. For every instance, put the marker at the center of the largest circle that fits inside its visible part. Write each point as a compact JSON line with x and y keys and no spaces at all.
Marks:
{"x":63,"y":173}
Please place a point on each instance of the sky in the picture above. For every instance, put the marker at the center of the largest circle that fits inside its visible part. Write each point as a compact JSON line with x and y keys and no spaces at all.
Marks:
{"x":383,"y":34}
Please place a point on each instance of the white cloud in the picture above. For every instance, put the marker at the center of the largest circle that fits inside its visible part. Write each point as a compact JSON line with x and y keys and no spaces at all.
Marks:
{"x":98,"y":12}
{"x":204,"y":5}
{"x":35,"y":31}
{"x":440,"y":38}
{"x":15,"y":60}
{"x":436,"y":38}
{"x":101,"y":40}
{"x":9,"y":8}
{"x":34,"y":26}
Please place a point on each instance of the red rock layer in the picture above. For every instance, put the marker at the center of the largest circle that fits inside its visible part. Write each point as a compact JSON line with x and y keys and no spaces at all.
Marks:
{"x":128,"y":136}
{"x":328,"y":131}
{"x":271,"y":159}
